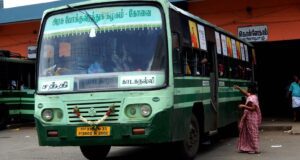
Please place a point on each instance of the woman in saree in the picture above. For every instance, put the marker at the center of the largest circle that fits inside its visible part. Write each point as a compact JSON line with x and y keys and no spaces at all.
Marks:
{"x":249,"y":124}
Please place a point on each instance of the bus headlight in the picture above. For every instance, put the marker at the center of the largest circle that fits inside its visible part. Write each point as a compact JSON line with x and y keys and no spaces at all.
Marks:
{"x":145,"y":110}
{"x":47,"y":114}
{"x":132,"y":110}
{"x":138,"y":110}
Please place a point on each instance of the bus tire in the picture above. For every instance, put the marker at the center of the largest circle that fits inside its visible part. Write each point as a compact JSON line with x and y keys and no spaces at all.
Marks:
{"x":3,"y":118}
{"x":95,"y":152}
{"x":188,"y":148}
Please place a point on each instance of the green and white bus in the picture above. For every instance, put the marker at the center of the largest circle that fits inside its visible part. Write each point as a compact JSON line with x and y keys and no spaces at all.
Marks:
{"x":17,"y":84}
{"x":133,"y":73}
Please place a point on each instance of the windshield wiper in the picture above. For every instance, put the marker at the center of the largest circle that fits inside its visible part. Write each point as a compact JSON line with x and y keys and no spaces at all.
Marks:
{"x":85,"y":13}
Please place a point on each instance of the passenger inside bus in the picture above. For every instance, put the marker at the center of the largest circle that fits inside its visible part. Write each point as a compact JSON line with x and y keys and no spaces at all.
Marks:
{"x":12,"y":85}
{"x":22,"y":85}
{"x":203,"y":66}
{"x":121,"y":59}
{"x":96,"y":67}
{"x":64,"y":66}
{"x":188,"y":69}
{"x":221,"y":70}
{"x":241,"y":71}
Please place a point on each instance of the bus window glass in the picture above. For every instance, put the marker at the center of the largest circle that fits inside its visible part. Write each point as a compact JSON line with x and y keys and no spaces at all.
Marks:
{"x":16,"y":73}
{"x":191,"y":62}
{"x":48,"y":51}
{"x":186,"y":66}
{"x":64,"y":49}
{"x":128,"y":49}
{"x":203,"y":62}
{"x":180,"y":24}
{"x":221,"y":66}
{"x":176,"y":54}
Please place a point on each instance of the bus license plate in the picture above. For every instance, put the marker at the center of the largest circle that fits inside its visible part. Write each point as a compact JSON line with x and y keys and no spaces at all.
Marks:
{"x":89,"y":132}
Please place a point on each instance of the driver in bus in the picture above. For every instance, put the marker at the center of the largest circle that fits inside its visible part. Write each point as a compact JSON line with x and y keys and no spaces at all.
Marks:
{"x":122,"y":60}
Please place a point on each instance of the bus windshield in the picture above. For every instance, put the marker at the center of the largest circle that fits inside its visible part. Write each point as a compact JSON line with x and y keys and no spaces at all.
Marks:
{"x":108,"y":48}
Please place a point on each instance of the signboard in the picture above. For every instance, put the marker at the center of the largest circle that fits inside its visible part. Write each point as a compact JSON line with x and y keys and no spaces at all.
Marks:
{"x":246,"y":53}
{"x":47,"y":85}
{"x":107,"y":18}
{"x":218,"y":42}
{"x":238,"y":49}
{"x":202,"y":37}
{"x":253,"y":33}
{"x":229,"y":47}
{"x":32,"y":52}
{"x":234,"y":53}
{"x":137,"y":81}
{"x":194,"y":34}
{"x":224,"y":45}
{"x":243,"y":52}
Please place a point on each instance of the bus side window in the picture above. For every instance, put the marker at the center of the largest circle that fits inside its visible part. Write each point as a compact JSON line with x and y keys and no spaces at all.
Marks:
{"x":187,"y":68}
{"x":203,"y":66}
{"x":232,"y":68}
{"x":176,"y":54}
{"x":188,"y":64}
{"x":242,"y":70}
{"x":248,"y":71}
{"x":180,"y":26}
{"x":235,"y":69}
{"x":221,"y":66}
{"x":192,"y":62}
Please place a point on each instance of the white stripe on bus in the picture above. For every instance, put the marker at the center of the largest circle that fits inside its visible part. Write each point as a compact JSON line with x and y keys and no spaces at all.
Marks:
{"x":21,"y":111}
{"x":206,"y":102}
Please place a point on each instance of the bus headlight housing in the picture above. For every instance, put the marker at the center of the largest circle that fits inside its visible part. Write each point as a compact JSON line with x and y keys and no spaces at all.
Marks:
{"x":47,"y":114}
{"x":138,"y":110}
{"x":145,"y":110}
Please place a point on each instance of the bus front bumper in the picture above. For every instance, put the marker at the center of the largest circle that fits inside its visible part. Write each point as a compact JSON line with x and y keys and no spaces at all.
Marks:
{"x":158,"y":131}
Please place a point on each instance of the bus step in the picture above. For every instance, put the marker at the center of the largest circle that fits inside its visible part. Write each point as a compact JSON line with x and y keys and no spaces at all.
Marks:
{"x":213,"y":132}
{"x":207,"y":142}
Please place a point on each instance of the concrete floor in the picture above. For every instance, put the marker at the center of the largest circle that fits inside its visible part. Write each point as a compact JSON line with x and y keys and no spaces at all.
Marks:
{"x":21,"y":144}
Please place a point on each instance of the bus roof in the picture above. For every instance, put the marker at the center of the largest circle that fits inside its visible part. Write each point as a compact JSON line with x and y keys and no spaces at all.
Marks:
{"x":98,"y":1}
{"x":17,"y":60}
{"x":206,"y":23}
{"x":165,"y":2}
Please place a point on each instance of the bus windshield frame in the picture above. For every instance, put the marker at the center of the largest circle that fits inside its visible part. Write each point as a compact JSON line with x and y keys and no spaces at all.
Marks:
{"x":149,"y":70}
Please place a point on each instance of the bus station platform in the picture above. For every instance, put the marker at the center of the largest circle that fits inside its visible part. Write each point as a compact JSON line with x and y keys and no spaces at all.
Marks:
{"x":281,"y":124}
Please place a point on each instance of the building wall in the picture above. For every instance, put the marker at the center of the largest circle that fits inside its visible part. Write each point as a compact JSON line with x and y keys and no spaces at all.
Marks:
{"x":17,"y":37}
{"x":281,"y":17}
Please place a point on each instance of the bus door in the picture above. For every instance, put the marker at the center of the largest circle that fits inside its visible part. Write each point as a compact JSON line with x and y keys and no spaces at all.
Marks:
{"x":213,"y":84}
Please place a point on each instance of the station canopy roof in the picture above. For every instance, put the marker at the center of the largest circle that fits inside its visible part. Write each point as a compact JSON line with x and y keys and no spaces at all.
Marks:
{"x":35,"y":12}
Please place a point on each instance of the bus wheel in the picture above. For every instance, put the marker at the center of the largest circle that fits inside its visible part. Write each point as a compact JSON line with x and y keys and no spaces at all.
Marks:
{"x":3,"y":118}
{"x":95,"y":152}
{"x":188,"y":148}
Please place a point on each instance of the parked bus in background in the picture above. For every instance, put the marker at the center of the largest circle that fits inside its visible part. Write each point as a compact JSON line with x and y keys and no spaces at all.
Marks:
{"x":17,"y":84}
{"x":134,"y":73}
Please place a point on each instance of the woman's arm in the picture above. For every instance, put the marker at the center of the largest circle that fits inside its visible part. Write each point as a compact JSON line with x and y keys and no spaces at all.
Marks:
{"x":250,"y":106}
{"x":241,"y":90}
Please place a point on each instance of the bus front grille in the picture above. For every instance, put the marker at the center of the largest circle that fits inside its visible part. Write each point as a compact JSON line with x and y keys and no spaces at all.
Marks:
{"x":93,"y":111}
